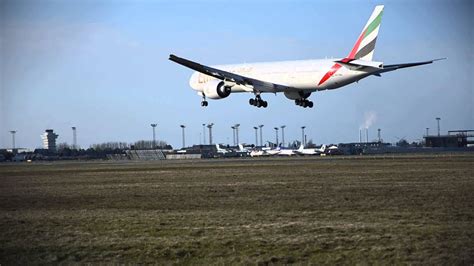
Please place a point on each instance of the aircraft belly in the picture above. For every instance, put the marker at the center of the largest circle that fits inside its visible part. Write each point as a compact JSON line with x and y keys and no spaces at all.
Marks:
{"x":240,"y":88}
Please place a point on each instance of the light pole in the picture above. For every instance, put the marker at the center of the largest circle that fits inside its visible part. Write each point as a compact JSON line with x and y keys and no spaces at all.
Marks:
{"x":427,"y":131}
{"x":237,"y":133}
{"x":302,"y":136}
{"x":380,"y":138}
{"x":204,"y":133}
{"x":233,"y":134}
{"x":154,"y":139}
{"x":261,"y":140}
{"x":210,"y":132}
{"x":276,"y":136}
{"x":74,"y":138}
{"x":256,"y":137}
{"x":13,"y":138}
{"x":182,"y":131}
{"x":437,"y":119}
{"x":283,"y":135}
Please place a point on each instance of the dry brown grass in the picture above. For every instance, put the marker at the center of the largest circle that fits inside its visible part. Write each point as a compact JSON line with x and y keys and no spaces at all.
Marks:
{"x":416,"y":209}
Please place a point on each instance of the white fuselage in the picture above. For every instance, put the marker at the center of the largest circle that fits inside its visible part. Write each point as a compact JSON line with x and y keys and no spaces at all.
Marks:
{"x":302,"y":74}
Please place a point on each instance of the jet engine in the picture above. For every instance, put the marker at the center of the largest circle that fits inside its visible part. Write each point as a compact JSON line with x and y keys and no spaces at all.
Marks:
{"x":296,"y":95}
{"x":217,"y":89}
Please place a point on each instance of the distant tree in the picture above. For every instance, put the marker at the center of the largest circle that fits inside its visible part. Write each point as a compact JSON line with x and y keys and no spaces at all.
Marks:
{"x":148,"y":144}
{"x":416,"y":144}
{"x":295,"y":144}
{"x":62,"y":146}
{"x":310,"y":144}
{"x":403,"y":143}
{"x":110,"y":146}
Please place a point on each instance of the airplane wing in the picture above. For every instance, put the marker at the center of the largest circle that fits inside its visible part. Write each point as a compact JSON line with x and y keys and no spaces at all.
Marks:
{"x":255,"y":84}
{"x":393,"y":67}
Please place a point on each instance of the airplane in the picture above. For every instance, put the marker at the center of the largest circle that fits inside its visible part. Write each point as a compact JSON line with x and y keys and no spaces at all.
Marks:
{"x":257,"y":153}
{"x":310,"y":151}
{"x":286,"y":152}
{"x":243,"y":151}
{"x":220,"y":150}
{"x":333,"y":150}
{"x":297,"y":80}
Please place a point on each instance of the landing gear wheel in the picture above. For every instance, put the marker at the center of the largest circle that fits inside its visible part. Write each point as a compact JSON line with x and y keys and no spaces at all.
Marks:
{"x":204,"y":103}
{"x":304,"y":103}
{"x":258,"y":102}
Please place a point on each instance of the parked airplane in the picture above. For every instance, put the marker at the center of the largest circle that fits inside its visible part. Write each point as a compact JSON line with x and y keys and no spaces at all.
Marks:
{"x":310,"y":151}
{"x":220,"y":150}
{"x":286,"y":152}
{"x":243,"y":151}
{"x":296,"y":79}
{"x":257,"y":153}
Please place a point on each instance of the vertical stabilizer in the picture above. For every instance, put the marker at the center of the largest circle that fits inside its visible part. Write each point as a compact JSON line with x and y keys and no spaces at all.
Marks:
{"x":365,"y":44}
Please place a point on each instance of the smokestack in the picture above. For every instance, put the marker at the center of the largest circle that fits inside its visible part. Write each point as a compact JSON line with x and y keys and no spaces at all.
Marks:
{"x":367,"y":134}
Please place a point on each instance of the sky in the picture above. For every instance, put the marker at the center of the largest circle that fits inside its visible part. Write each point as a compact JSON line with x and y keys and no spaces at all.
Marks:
{"x":102,"y":66}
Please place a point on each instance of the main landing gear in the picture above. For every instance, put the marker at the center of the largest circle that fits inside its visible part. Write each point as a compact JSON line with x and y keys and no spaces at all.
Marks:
{"x":258,"y":102}
{"x":304,"y":103}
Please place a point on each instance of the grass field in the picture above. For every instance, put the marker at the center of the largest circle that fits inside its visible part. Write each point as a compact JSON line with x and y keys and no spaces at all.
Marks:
{"x":405,"y":209}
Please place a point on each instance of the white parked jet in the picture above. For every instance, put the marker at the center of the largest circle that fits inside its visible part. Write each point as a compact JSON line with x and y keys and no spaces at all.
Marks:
{"x":310,"y":151}
{"x":296,"y":79}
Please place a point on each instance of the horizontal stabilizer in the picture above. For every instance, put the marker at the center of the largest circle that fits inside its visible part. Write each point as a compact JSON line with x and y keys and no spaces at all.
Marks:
{"x":358,"y":64}
{"x":393,"y":67}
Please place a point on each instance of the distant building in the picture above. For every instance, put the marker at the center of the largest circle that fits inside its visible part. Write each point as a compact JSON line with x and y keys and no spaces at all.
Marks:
{"x":455,"y":138}
{"x":49,"y":140}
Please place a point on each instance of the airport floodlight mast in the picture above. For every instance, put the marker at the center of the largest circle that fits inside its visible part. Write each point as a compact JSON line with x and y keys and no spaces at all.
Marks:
{"x":233,"y":135}
{"x":204,"y":134}
{"x":256,"y":136}
{"x":182,"y":132}
{"x":276,"y":136}
{"x":437,"y":119}
{"x":261,"y":139}
{"x":210,"y":132}
{"x":283,"y":135}
{"x":302,"y":136}
{"x":378,"y":135}
{"x":13,"y":138}
{"x":74,"y":138}
{"x":237,"y":133}
{"x":427,"y":131}
{"x":154,"y":136}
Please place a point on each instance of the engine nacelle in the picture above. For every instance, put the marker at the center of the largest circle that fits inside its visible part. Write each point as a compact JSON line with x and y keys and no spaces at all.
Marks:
{"x":295,"y":95}
{"x":217,"y":89}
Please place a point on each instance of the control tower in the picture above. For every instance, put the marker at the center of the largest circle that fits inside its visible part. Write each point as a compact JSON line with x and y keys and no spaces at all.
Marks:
{"x":49,"y":139}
